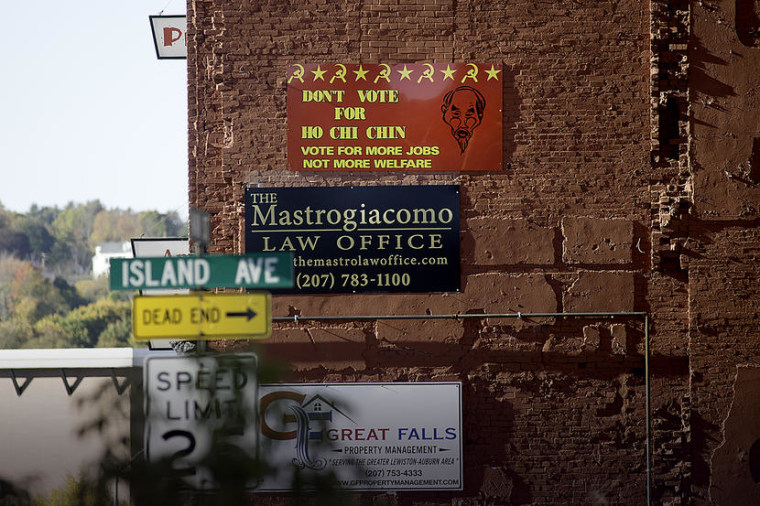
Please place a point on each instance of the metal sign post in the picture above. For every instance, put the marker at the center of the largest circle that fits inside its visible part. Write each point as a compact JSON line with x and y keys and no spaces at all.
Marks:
{"x":200,"y":229}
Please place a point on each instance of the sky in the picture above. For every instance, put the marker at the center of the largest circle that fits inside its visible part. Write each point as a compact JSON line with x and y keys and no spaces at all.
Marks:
{"x":87,"y":111}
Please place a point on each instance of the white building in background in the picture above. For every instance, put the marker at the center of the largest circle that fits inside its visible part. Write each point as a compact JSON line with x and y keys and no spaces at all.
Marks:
{"x":104,"y":252}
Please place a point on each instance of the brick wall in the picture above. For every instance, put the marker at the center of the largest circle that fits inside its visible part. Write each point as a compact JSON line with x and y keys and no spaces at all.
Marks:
{"x":610,"y":200}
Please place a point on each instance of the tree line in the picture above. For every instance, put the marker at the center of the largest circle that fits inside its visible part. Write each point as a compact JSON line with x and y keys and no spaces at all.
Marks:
{"x":48,"y":298}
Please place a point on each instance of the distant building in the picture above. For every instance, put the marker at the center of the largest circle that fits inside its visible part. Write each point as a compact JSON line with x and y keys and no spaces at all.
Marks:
{"x":104,"y":252}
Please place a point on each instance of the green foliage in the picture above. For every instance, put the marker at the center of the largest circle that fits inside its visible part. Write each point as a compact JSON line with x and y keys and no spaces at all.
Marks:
{"x":93,"y":289}
{"x":29,"y":297}
{"x":38,"y":313}
{"x":47,"y":296}
{"x":8,"y":266}
{"x":83,"y":327}
{"x":48,"y":333}
{"x":72,"y":229}
{"x":79,"y":491}
{"x":5,"y":216}
{"x":69,"y":293}
{"x":14,"y":334}
{"x":41,"y":239}
{"x":15,"y":243}
{"x":155,"y":224}
{"x":114,"y":225}
{"x":117,"y":334}
{"x":63,"y":241}
{"x":118,"y":225}
{"x":26,"y":295}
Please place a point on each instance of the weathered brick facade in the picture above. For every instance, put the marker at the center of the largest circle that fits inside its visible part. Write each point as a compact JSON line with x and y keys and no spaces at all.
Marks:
{"x":630,"y":184}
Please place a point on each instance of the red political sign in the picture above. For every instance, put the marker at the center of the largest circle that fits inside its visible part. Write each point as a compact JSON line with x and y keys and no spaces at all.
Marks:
{"x":403,"y":117}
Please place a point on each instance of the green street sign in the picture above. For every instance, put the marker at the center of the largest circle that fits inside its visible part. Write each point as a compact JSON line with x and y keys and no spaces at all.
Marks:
{"x":255,"y":270}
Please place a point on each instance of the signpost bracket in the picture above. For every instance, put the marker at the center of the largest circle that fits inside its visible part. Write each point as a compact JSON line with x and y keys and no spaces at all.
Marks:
{"x":120,"y":389}
{"x":20,"y":388}
{"x":70,"y":388}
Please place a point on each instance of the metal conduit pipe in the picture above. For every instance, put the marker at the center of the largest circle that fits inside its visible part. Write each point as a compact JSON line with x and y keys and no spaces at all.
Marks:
{"x":457,"y":316}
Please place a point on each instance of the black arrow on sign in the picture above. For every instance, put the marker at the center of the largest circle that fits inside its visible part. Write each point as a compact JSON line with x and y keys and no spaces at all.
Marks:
{"x":248,"y":313}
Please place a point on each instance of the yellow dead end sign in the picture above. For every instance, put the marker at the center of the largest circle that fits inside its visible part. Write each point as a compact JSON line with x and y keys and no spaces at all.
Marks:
{"x":202,"y":316}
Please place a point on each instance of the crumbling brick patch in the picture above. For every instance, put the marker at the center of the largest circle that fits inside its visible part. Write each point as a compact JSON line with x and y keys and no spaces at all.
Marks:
{"x":498,"y":241}
{"x":597,"y":241}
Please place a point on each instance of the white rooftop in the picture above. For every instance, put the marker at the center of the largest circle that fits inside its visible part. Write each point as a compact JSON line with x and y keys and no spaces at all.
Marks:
{"x":69,"y":358}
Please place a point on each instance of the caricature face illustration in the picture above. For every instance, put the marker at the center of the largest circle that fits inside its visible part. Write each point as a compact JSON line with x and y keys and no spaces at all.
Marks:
{"x":463,"y":111}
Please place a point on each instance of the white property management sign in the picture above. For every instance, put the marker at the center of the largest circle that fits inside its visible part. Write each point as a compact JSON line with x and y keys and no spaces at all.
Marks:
{"x":371,"y":436}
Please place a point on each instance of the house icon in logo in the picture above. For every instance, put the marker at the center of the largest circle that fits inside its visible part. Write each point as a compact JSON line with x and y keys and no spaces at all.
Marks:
{"x":320,"y":410}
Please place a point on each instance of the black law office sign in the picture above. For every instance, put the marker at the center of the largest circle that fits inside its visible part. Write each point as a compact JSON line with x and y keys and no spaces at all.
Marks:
{"x":360,"y":239}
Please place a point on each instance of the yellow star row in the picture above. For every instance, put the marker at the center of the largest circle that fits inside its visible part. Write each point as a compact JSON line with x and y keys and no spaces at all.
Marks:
{"x":386,"y":73}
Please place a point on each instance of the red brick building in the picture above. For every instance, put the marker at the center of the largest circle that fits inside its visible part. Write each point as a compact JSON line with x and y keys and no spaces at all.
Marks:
{"x":629,"y":187}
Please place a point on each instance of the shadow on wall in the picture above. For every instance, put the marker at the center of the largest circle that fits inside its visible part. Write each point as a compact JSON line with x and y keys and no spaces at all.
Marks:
{"x":748,"y":22}
{"x":735,"y":465}
{"x":494,"y":485}
{"x":753,"y":173}
{"x":700,"y":81}
{"x":726,"y":146}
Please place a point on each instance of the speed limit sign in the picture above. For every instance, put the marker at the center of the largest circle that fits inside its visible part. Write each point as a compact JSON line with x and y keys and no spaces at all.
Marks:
{"x":196,"y":406}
